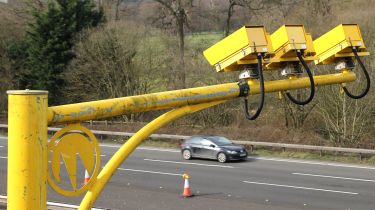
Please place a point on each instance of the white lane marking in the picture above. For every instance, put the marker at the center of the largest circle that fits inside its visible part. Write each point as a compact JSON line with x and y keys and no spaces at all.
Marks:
{"x":58,"y":204}
{"x":3,"y":157}
{"x":67,"y":205}
{"x":1,"y":146}
{"x":304,"y":188}
{"x":334,"y":177}
{"x":158,"y":149}
{"x":143,"y":148}
{"x":151,"y":172}
{"x":256,"y":158}
{"x":110,"y":146}
{"x":103,"y":155}
{"x":267,"y":159}
{"x":186,"y":163}
{"x":313,"y":163}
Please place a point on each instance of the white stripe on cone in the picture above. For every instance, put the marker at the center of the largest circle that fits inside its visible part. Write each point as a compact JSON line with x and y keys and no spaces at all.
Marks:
{"x":186,"y":183}
{"x":87,"y":177}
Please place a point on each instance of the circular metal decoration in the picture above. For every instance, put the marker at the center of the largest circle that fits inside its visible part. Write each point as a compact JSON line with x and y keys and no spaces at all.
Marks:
{"x":64,"y":148}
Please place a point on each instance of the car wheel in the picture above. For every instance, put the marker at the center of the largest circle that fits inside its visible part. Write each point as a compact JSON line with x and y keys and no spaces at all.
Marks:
{"x":186,"y":154}
{"x":221,"y":157}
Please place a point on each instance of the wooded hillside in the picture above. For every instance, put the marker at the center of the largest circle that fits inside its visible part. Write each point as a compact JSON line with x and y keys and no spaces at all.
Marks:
{"x":90,"y":50}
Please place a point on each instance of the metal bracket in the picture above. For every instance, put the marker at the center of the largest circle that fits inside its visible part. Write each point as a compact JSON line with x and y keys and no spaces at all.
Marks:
{"x":244,"y":88}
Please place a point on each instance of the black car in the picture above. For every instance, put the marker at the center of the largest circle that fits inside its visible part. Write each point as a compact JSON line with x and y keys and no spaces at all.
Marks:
{"x":212,"y":147}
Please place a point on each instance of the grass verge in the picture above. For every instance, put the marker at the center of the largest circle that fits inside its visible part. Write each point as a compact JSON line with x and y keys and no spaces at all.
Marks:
{"x":310,"y":155}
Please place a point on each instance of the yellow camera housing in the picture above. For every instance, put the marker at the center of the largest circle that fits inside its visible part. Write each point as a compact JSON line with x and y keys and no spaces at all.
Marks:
{"x":285,"y":41}
{"x":338,"y":42}
{"x":241,"y":47}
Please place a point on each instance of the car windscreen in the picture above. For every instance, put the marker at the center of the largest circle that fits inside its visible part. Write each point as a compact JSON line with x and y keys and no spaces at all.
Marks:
{"x":219,"y":140}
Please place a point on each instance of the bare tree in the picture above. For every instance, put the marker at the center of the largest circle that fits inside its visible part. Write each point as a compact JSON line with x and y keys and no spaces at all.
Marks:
{"x":250,"y":5}
{"x":22,"y":9}
{"x":121,"y":6}
{"x":284,"y":7}
{"x":5,"y":76}
{"x":178,"y":10}
{"x":232,"y":4}
{"x":295,"y":116}
{"x":118,"y":2}
{"x":321,"y":10}
{"x":346,"y":120}
{"x":104,"y":66}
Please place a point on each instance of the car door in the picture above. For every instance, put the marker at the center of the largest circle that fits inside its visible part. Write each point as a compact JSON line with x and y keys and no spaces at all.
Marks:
{"x":196,"y":146}
{"x":207,"y":150}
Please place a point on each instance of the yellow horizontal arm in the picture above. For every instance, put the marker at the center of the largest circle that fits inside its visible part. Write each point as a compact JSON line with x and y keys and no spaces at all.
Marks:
{"x":304,"y":82}
{"x":170,"y":99}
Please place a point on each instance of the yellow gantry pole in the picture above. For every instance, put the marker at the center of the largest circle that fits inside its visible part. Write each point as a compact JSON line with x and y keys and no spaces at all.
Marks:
{"x":170,"y":99}
{"x":27,"y":150}
{"x":121,"y":155}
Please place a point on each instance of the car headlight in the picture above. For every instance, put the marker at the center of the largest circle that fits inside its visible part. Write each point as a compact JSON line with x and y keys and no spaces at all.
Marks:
{"x":232,"y":152}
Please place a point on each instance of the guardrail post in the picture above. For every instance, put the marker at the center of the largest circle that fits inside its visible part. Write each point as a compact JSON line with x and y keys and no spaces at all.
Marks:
{"x":252,"y":148}
{"x":27,"y":150}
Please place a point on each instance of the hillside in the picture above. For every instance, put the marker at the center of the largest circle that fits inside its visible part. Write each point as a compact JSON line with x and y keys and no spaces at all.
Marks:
{"x":137,"y":50}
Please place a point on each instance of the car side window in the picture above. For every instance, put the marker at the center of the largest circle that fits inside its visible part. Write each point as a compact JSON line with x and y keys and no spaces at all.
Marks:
{"x":206,"y":142}
{"x":194,"y":141}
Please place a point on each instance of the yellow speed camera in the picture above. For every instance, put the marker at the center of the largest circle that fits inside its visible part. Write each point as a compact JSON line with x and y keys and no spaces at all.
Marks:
{"x":338,"y":43}
{"x":239,"y":48}
{"x":286,"y":41}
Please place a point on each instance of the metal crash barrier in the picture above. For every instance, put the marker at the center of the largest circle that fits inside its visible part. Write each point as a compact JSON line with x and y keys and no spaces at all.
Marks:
{"x":251,"y":50}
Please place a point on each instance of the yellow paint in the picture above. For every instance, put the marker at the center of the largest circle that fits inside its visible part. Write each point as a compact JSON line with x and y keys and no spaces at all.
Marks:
{"x":27,"y":150}
{"x":337,"y":43}
{"x":29,"y":115}
{"x":68,"y":143}
{"x":140,"y":103}
{"x":280,"y":94}
{"x":185,"y":176}
{"x":310,"y":50}
{"x":241,"y":46}
{"x":169,"y":99}
{"x":131,"y":144}
{"x":285,"y":41}
{"x":289,"y":35}
{"x":304,"y":82}
{"x":23,"y":117}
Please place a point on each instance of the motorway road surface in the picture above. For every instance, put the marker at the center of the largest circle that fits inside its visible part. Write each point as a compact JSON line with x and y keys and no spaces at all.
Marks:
{"x":151,"y":179}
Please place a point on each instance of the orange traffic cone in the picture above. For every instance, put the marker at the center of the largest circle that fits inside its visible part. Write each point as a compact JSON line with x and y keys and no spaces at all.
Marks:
{"x":187,"y":193}
{"x":87,"y":177}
